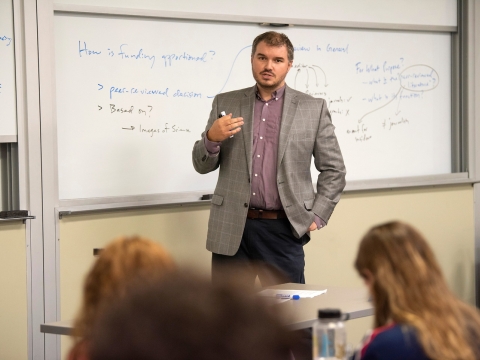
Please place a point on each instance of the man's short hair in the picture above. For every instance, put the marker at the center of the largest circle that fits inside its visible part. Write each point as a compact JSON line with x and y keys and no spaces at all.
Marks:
{"x":273,"y":38}
{"x":187,"y":317}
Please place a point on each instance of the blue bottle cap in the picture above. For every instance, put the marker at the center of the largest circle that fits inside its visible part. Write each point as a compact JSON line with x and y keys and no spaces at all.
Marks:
{"x":296,"y":297}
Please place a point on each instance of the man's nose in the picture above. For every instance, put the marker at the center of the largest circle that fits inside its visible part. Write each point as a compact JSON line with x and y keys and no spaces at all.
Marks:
{"x":269,"y":65}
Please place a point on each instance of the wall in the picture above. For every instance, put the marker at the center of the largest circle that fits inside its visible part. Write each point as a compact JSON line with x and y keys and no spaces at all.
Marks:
{"x":444,"y":215}
{"x":13,"y":294}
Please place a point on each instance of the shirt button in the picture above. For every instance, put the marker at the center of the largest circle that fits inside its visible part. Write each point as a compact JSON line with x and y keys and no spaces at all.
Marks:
{"x":261,"y":137}
{"x":253,"y":194}
{"x":263,"y":119}
{"x":256,"y":175}
{"x":266,"y":104}
{"x":258,"y":155}
{"x":276,"y":98}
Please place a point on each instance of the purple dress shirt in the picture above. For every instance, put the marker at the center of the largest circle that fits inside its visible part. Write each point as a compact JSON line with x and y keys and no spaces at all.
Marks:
{"x":267,"y":117}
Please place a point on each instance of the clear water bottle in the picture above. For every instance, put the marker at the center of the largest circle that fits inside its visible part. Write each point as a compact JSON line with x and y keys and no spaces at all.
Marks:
{"x":329,"y":336}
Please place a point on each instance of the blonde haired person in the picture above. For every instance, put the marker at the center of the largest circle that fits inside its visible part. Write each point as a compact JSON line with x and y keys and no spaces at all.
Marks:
{"x":416,"y":315}
{"x":119,"y":264}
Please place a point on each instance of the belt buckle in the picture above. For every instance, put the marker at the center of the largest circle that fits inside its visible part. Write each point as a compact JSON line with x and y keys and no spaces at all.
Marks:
{"x":260,"y":214}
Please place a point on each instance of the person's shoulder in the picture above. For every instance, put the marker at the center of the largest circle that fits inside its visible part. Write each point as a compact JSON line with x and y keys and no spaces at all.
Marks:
{"x":235,"y":93}
{"x":394,"y":342}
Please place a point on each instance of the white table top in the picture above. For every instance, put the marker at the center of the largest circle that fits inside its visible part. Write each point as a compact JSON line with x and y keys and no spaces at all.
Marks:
{"x":300,"y":314}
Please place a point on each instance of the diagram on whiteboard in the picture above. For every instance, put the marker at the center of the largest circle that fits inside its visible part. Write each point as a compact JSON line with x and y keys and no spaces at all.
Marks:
{"x":386,"y":88}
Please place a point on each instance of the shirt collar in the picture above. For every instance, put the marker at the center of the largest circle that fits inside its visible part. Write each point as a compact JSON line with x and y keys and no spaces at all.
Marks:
{"x":277,"y":94}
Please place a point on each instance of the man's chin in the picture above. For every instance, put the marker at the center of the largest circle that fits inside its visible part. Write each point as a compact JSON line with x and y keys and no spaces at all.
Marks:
{"x":268,"y":84}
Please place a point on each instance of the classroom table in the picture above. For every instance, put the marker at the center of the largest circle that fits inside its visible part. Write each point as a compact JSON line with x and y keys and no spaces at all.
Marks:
{"x":302,"y":313}
{"x":299,"y":314}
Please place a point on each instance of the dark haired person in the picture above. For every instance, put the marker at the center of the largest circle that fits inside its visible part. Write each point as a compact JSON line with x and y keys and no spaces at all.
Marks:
{"x":185,"y":317}
{"x":264,"y":205}
{"x":417,"y":317}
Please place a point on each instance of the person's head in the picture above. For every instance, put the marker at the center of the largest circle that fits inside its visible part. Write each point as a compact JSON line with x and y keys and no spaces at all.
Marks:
{"x":122,"y":261}
{"x":186,"y":317}
{"x":272,"y":58}
{"x":392,"y":258}
{"x":408,"y":287}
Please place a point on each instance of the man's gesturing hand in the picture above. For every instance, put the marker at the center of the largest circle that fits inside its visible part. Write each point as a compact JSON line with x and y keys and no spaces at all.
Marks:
{"x":224,"y":127}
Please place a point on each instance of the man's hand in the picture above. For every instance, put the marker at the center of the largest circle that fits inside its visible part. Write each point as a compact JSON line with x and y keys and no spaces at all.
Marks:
{"x":224,"y":127}
{"x":313,"y":226}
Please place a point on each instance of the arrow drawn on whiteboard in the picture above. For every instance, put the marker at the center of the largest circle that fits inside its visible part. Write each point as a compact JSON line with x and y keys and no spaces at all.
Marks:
{"x":301,"y":67}
{"x":130,"y":128}
{"x":100,"y":86}
{"x":230,"y":73}
{"x":295,"y":83}
{"x":398,"y":105}
{"x":316,"y":79}
{"x":325,"y":75}
{"x":99,"y":107}
{"x":393,"y":98}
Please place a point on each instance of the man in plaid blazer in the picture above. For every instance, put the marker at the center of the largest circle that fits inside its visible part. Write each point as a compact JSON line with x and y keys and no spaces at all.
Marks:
{"x":264,"y":205}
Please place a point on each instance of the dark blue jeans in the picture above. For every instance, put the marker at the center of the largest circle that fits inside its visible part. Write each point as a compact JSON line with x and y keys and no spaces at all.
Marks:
{"x":270,"y":250}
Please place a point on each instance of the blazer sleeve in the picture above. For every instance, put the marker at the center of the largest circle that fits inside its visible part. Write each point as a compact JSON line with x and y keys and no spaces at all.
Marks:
{"x":202,"y":162}
{"x":329,"y":162}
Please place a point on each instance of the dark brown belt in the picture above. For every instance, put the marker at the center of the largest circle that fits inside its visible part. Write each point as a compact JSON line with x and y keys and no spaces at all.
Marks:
{"x":266,"y":214}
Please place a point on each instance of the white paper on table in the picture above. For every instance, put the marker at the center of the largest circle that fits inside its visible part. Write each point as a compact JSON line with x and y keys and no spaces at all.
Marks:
{"x":287,"y":294}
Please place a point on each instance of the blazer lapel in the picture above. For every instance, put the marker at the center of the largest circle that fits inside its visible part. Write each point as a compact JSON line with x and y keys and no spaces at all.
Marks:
{"x":289,"y":108}
{"x":246,"y":111}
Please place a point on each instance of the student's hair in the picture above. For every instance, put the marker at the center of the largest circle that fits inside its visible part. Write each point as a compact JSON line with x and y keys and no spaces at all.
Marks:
{"x":409,"y":288}
{"x":124,"y":260}
{"x":185,"y":317}
{"x":273,"y":38}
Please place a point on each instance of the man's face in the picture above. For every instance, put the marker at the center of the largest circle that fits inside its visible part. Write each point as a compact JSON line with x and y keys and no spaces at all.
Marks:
{"x":270,"y":65}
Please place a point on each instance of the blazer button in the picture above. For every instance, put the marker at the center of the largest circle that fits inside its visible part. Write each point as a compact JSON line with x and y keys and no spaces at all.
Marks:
{"x":204,"y":157}
{"x":246,"y":205}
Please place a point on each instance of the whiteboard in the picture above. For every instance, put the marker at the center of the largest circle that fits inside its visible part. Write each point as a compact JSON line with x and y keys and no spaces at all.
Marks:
{"x":133,"y":95}
{"x":8,"y":111}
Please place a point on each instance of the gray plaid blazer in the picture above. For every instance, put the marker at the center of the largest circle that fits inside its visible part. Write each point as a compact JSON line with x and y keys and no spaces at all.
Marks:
{"x":306,"y":129}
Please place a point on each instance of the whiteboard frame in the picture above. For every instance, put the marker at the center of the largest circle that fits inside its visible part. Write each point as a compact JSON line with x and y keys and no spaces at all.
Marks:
{"x":28,"y":171}
{"x":66,"y":206}
{"x":9,"y":138}
{"x":29,"y":167}
{"x":145,"y":13}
